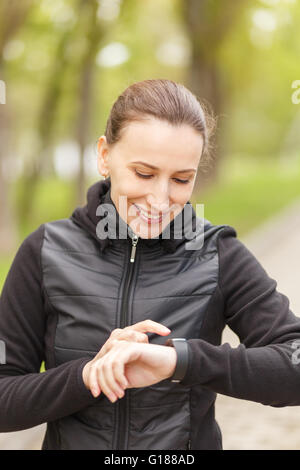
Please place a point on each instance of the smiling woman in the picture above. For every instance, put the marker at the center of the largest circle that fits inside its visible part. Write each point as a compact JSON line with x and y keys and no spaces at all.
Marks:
{"x":164,"y":123}
{"x":167,"y":185}
{"x":97,"y":309}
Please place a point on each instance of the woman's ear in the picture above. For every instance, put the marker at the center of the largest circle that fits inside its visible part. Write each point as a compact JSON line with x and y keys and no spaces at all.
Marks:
{"x":102,"y":159}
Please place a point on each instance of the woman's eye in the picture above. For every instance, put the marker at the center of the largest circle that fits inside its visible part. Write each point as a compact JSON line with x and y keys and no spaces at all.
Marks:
{"x":181,"y":181}
{"x":141,"y":175}
{"x":177,"y":180}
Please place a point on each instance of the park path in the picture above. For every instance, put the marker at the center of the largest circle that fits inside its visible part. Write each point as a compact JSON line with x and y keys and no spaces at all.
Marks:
{"x":245,"y":425}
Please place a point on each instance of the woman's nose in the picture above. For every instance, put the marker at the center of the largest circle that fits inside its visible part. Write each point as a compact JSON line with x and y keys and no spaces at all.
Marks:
{"x":160,"y":207}
{"x":160,"y":201}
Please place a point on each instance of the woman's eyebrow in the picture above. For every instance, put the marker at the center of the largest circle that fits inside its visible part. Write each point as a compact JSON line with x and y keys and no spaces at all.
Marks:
{"x":156,"y":168}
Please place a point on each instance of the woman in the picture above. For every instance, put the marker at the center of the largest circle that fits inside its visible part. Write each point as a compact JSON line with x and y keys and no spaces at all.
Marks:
{"x":126,"y":300}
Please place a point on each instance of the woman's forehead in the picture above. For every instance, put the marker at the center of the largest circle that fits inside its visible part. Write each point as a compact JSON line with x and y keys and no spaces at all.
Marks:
{"x":156,"y":140}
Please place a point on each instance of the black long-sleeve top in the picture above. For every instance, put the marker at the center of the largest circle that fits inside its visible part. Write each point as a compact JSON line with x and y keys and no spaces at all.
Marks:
{"x":260,"y":369}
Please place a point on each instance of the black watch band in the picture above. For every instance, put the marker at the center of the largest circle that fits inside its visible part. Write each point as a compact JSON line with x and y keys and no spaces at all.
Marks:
{"x":181,"y":347}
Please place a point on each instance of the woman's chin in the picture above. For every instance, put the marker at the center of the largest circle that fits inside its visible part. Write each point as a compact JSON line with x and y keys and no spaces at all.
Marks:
{"x":144,"y":230}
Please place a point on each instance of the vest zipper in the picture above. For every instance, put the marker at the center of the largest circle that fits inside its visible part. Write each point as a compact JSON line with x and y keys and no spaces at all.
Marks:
{"x":135,"y":239}
{"x":123,"y":405}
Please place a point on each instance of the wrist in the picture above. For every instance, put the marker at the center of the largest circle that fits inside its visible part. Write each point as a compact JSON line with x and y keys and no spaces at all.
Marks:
{"x":172,"y":362}
{"x":85,"y":374}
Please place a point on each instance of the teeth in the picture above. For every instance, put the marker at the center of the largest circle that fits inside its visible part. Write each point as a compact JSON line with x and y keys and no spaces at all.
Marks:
{"x":150,"y":218}
{"x":154,"y":217}
{"x":145,"y":214}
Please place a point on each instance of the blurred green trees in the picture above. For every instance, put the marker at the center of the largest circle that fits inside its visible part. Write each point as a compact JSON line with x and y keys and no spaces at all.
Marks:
{"x":64,"y":62}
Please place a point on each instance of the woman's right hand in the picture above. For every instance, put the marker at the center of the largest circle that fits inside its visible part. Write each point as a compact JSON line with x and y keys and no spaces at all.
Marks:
{"x":133,"y":333}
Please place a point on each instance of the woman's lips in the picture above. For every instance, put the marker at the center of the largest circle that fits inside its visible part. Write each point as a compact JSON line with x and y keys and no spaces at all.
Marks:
{"x":150,"y":220}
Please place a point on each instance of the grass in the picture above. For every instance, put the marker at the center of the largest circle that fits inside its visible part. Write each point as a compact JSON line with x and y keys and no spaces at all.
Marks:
{"x":5,"y":263}
{"x":53,"y":201}
{"x":247,"y":196}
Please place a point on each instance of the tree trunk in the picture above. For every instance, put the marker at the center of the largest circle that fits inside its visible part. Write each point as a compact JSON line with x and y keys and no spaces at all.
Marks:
{"x":208,"y":23}
{"x":45,"y":124}
{"x":203,"y":80}
{"x":94,"y":35}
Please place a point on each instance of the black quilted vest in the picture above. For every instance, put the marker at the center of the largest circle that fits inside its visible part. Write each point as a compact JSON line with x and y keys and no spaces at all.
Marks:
{"x":94,"y":288}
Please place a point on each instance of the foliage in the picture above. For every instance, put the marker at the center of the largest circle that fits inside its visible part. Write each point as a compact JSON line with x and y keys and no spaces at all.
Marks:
{"x":44,"y":53}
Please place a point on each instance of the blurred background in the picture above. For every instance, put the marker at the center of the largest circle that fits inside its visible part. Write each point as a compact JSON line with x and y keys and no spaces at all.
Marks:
{"x":64,"y":62}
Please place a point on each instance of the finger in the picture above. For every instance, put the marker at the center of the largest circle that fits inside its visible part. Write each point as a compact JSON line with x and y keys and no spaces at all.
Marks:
{"x":93,"y":382}
{"x":107,"y":347}
{"x":119,"y":374}
{"x":126,"y":335}
{"x":115,"y":333}
{"x":124,"y":353}
{"x":119,"y":358}
{"x":109,"y":370}
{"x":102,"y":373}
{"x":135,"y":336}
{"x":150,"y":326}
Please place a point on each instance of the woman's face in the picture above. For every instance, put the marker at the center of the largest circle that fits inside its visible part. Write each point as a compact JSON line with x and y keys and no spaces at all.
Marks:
{"x":152,"y":170}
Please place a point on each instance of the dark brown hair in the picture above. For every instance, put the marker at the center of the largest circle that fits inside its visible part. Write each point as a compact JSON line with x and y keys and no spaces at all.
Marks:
{"x":161,"y":99}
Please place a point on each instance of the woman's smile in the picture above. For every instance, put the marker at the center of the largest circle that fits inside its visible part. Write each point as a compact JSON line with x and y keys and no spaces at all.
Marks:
{"x":152,"y":219}
{"x":158,"y":186}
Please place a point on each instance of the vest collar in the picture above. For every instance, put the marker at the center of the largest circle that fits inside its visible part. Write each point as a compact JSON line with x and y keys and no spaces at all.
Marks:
{"x":89,"y":216}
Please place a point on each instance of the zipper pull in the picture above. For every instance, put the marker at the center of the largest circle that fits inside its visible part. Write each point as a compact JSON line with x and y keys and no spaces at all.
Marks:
{"x":135,"y":239}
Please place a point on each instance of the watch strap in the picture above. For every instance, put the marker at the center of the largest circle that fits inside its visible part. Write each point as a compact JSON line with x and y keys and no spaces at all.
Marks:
{"x":182,"y":351}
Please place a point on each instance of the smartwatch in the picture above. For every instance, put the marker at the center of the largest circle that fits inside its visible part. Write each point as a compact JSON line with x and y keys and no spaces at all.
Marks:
{"x":182,"y":351}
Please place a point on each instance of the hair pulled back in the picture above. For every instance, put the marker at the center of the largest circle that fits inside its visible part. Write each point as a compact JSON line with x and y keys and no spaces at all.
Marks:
{"x":162,"y":99}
